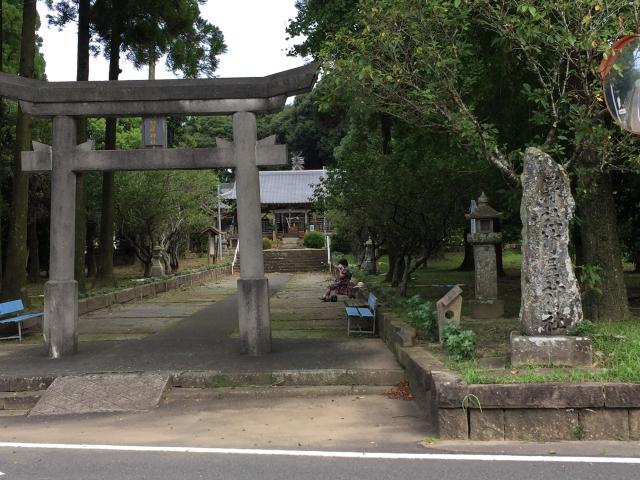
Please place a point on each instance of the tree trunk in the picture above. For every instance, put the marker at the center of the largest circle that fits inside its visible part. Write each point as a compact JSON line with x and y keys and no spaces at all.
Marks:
{"x":392,"y":264}
{"x":2,"y":139}
{"x":82,"y":74}
{"x":600,"y":245}
{"x":499,"y":248}
{"x":105,"y":267}
{"x":467,"y":264}
{"x":406,"y":276}
{"x":15,"y":278}
{"x":92,"y":267}
{"x":398,"y":271}
{"x":32,"y":240}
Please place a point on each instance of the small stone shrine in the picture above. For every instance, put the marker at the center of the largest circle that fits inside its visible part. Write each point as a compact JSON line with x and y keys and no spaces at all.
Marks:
{"x":484,"y":240}
{"x":550,"y":304}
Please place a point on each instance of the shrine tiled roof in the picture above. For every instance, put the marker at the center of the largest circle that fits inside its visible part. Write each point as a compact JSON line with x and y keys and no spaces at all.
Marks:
{"x":283,"y":186}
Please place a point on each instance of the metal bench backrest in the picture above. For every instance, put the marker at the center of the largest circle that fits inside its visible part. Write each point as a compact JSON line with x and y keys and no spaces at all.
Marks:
{"x":11,"y":307}
{"x":372,"y":302}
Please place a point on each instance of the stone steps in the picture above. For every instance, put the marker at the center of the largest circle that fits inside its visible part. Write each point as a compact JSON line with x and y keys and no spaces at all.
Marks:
{"x":20,"y":401}
{"x":273,"y":392}
{"x":289,"y":378}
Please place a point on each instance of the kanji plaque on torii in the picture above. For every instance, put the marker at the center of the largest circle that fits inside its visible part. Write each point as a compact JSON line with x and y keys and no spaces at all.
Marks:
{"x":241,"y":97}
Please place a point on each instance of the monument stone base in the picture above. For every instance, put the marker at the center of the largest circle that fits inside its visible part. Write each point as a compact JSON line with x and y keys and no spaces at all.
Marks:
{"x":556,"y":350}
{"x":60,"y":329}
{"x":254,"y":317}
{"x":487,"y":308}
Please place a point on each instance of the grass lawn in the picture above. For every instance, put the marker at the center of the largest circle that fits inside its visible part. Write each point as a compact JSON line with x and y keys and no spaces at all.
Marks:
{"x":616,"y":345}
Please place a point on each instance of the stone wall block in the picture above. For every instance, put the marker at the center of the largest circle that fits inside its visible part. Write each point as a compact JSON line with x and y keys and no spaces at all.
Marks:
{"x":541,"y":425}
{"x":605,"y":424}
{"x":634,"y":424}
{"x":453,"y":424}
{"x":486,"y":424}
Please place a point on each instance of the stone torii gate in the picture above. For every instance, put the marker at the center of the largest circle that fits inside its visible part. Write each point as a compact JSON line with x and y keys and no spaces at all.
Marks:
{"x":241,"y":97}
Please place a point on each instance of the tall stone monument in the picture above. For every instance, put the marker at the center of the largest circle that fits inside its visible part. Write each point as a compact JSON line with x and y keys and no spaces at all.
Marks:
{"x":484,"y":240}
{"x":550,"y":304}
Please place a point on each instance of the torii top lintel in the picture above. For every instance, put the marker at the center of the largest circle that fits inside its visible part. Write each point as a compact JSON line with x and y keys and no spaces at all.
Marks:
{"x":214,"y":96}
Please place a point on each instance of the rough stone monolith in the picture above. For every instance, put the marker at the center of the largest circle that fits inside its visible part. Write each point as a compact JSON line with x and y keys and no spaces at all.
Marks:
{"x":550,"y":296}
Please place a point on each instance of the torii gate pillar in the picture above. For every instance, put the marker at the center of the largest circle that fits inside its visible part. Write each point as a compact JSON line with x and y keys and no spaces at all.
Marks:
{"x":254,"y":316}
{"x":61,"y":291}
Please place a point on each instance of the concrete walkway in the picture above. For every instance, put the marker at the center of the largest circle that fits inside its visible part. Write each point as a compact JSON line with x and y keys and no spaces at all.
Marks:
{"x":195,"y":329}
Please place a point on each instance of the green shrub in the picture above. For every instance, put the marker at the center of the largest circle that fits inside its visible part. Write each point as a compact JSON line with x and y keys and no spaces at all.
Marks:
{"x":585,"y":328}
{"x":313,"y":240}
{"x":422,"y":315}
{"x":266,"y":243}
{"x":459,"y":344}
{"x":340,"y":242}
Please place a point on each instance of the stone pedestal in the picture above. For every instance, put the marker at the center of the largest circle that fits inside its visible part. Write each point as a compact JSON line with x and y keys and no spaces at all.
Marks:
{"x":486,"y":303}
{"x":60,"y":329}
{"x":157,"y":268}
{"x":550,"y":350}
{"x":254,"y":316}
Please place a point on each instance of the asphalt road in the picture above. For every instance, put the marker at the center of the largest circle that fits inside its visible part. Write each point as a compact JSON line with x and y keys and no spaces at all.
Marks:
{"x":73,"y":464}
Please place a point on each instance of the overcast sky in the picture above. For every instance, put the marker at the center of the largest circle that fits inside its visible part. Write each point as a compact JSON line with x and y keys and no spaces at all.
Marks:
{"x":254,"y":31}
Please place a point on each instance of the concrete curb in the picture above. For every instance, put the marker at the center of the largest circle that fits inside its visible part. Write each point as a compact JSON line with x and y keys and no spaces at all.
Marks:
{"x":98,"y":302}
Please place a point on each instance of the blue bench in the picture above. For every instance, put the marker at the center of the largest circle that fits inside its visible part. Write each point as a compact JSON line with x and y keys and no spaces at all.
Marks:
{"x":362,"y":314}
{"x":15,"y":306}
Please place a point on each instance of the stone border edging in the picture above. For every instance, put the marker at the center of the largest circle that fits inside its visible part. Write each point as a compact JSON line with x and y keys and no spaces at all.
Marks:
{"x":530,"y":412}
{"x":98,"y":302}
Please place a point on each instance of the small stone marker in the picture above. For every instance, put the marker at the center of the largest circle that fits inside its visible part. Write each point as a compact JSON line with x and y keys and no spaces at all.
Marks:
{"x":550,"y":304}
{"x":110,"y":392}
{"x":449,"y":309}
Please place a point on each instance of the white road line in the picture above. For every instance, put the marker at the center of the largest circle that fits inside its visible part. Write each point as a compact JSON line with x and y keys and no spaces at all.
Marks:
{"x":327,"y":454}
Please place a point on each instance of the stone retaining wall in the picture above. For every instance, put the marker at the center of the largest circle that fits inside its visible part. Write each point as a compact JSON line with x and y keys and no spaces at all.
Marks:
{"x":90,"y":304}
{"x":529,"y":412}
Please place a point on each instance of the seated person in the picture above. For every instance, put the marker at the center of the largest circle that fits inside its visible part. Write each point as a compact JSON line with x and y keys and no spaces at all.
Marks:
{"x":343,"y":278}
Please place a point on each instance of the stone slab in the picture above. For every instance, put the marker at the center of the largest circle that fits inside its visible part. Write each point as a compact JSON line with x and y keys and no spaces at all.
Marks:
{"x":541,"y":425}
{"x":621,"y":395}
{"x":111,"y":392}
{"x":605,"y":424}
{"x":486,"y":424}
{"x":533,"y":395}
{"x":556,"y":350}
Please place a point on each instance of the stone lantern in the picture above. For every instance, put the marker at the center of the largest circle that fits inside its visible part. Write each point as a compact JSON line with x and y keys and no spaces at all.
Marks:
{"x":157,"y":268}
{"x":484,"y":239}
{"x":368,"y":264}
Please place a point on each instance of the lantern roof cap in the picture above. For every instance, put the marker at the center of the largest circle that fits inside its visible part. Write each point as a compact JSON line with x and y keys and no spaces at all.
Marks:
{"x":484,"y":210}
